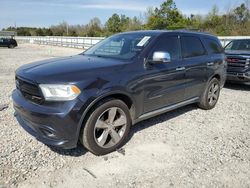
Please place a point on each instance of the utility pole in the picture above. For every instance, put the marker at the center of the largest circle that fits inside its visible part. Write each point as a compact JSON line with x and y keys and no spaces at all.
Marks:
{"x":67,"y":25}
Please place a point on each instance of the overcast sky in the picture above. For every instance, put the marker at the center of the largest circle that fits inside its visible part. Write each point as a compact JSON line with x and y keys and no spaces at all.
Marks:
{"x":44,"y":13}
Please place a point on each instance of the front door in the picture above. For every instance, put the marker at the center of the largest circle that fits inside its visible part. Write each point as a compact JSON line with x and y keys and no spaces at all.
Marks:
{"x":164,"y":83}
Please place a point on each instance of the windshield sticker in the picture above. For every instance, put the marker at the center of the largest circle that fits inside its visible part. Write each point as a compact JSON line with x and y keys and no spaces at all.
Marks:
{"x":143,"y":41}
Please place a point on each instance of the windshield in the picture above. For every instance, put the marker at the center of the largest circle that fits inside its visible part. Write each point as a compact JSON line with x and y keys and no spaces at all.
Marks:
{"x":122,"y":46}
{"x":239,"y":45}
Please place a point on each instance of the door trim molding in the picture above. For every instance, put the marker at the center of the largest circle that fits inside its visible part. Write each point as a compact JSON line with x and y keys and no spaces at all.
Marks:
{"x":166,"y":109}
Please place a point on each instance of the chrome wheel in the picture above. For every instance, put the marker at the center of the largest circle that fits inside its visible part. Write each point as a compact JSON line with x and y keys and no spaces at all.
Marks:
{"x":213,"y":94}
{"x":110,"y":127}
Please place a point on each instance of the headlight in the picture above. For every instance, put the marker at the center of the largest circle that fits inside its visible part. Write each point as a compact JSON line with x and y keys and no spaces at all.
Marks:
{"x":53,"y":92}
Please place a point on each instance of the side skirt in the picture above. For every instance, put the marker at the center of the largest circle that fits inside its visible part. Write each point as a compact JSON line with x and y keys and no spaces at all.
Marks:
{"x":165,"y":109}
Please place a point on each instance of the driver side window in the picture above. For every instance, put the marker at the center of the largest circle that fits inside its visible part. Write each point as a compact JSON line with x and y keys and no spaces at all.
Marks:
{"x":168,"y":44}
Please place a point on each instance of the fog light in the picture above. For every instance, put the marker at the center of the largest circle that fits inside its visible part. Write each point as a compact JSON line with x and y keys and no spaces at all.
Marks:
{"x":48,"y":133}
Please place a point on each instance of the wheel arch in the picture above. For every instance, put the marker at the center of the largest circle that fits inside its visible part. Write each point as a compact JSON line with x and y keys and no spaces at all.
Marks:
{"x":113,"y":95}
{"x":217,"y":76}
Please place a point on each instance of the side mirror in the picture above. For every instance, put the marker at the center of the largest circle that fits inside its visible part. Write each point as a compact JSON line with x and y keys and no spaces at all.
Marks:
{"x":161,"y":57}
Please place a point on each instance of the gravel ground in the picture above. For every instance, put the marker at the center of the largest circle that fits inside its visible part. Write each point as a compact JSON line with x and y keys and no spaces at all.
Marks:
{"x":188,"y":147}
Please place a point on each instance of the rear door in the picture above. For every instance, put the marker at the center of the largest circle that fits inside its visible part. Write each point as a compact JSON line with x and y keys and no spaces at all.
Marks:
{"x":195,"y":59}
{"x":216,"y":55}
{"x":164,"y":84}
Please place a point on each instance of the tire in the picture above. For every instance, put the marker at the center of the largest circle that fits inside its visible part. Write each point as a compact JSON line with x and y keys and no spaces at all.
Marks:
{"x":11,"y":46}
{"x":101,"y":133}
{"x":211,"y":94}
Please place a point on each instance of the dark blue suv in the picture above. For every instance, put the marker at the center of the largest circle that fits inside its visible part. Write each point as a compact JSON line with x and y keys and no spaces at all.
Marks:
{"x":8,"y":42}
{"x":95,"y":97}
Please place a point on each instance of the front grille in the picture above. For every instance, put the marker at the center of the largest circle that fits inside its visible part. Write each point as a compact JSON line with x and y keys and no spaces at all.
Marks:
{"x":238,"y":61}
{"x":29,"y":90}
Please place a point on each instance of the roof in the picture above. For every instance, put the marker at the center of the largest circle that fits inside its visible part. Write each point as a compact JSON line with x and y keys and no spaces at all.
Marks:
{"x":158,"y":32}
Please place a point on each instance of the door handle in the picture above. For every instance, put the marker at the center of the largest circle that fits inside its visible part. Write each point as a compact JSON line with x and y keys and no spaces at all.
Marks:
{"x":210,"y":64}
{"x":180,"y":68}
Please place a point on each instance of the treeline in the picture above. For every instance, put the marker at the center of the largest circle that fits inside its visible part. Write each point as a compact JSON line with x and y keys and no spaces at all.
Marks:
{"x":235,"y":21}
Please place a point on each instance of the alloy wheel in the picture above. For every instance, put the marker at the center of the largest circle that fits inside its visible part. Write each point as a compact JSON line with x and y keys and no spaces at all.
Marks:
{"x":213,"y":94}
{"x":110,"y":127}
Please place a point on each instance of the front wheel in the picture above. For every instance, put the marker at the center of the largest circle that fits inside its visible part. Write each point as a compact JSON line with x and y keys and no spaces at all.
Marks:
{"x":107,"y":127}
{"x":211,"y":95}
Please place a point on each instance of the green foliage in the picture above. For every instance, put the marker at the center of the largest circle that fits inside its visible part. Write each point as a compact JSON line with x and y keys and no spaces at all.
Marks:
{"x":116,"y":24}
{"x":94,"y":28}
{"x":235,"y":22}
{"x":134,"y":24}
{"x":30,"y":31}
{"x":167,"y":16}
{"x":242,"y":13}
{"x":113,"y":24}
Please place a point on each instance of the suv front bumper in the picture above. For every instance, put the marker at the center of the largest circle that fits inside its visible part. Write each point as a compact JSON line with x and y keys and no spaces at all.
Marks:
{"x":238,"y":77}
{"x":55,"y":124}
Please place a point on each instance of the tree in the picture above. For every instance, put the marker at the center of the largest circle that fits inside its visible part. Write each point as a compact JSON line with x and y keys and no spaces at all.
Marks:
{"x":23,"y":31}
{"x":48,"y":32}
{"x":60,"y":29}
{"x":242,"y":13}
{"x":194,"y":22}
{"x":113,"y":24}
{"x":124,"y":22}
{"x":134,"y":24}
{"x":166,"y":17}
{"x":235,"y":21}
{"x":94,"y":27}
{"x":214,"y":23}
{"x":39,"y":32}
{"x":213,"y":19}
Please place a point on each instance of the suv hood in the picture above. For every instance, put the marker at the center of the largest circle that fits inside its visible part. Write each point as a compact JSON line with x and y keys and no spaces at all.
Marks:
{"x":68,"y":69}
{"x":237,"y":52}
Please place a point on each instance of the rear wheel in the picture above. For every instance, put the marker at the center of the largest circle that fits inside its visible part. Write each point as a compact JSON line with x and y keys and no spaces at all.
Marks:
{"x":211,"y":95}
{"x":107,"y":127}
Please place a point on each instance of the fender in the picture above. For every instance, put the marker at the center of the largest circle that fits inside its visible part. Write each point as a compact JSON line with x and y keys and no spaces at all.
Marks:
{"x":96,"y":100}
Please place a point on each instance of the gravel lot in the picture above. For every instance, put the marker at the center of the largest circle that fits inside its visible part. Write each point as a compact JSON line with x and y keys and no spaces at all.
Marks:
{"x":188,"y":147}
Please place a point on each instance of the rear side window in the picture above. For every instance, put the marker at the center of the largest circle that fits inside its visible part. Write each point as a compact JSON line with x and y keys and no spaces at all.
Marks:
{"x":213,"y":46}
{"x":168,"y":44}
{"x":191,"y":47}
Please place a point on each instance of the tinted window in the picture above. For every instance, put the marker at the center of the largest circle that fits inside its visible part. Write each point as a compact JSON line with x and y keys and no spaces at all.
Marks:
{"x":168,"y":44}
{"x":191,"y":47}
{"x":238,"y":45}
{"x":213,"y":46}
